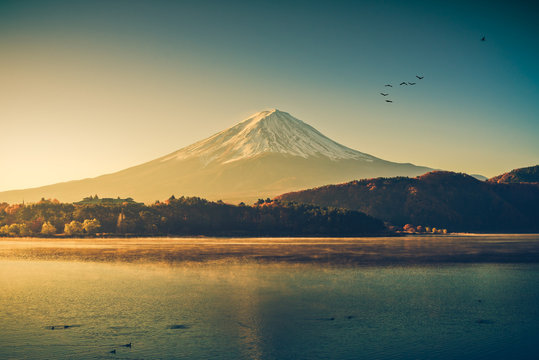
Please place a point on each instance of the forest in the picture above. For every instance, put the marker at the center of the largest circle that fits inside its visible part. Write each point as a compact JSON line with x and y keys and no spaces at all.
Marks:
{"x":184,"y":216}
{"x":439,"y":199}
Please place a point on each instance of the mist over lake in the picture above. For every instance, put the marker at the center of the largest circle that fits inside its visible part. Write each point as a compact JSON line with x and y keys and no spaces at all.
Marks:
{"x":60,"y":300}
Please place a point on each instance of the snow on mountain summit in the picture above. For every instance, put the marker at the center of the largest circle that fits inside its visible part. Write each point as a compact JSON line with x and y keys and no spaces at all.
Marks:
{"x":270,"y":131}
{"x":267,"y":154}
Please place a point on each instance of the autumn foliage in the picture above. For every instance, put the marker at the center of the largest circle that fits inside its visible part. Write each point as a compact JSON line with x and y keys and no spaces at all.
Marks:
{"x":439,"y":200}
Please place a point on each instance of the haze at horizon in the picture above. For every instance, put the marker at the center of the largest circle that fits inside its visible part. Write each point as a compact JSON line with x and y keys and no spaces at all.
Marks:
{"x":94,"y":87}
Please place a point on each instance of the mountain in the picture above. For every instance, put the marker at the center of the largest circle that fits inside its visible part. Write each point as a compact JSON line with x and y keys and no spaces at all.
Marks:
{"x":528,"y":174}
{"x":479,"y":177}
{"x":269,"y":153}
{"x":439,"y":199}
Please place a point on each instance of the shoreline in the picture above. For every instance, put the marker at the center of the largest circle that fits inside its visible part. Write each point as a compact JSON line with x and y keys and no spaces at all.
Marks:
{"x":251,"y":236}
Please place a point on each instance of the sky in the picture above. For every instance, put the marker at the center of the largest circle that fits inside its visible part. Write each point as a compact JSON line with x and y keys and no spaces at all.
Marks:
{"x":92,"y":87}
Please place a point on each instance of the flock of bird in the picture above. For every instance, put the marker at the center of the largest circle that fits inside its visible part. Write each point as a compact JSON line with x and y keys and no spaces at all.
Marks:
{"x":411,"y":83}
{"x":401,"y":84}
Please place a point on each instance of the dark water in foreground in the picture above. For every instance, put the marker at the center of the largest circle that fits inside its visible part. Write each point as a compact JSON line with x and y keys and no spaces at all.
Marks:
{"x":227,"y":309}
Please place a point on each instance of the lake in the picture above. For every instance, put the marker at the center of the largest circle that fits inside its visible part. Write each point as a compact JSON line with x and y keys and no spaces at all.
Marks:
{"x":450,"y":297}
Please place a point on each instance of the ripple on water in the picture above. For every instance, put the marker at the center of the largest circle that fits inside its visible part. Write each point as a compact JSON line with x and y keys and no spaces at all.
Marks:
{"x":267,"y":311}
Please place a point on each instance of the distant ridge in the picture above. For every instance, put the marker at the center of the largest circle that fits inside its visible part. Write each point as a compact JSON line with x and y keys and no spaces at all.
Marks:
{"x":479,"y":177}
{"x":440,"y":199}
{"x":527,"y":174}
{"x":268,"y":153}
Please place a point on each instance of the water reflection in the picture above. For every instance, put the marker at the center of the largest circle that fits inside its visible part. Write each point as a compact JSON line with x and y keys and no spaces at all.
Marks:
{"x":224,"y":309}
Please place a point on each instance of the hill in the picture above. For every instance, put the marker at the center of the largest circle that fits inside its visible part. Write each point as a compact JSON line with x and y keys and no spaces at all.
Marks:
{"x":440,"y":199}
{"x":269,"y":153}
{"x":528,"y":174}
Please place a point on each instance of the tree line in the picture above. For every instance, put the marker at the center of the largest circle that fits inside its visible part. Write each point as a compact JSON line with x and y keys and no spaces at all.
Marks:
{"x":184,"y":216}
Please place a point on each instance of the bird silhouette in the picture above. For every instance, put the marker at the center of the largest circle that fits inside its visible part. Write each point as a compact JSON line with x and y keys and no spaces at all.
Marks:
{"x":419,"y":77}
{"x":483,"y":38}
{"x":403,"y":83}
{"x":389,"y":85}
{"x":127,"y":345}
{"x":411,"y":83}
{"x":389,"y":101}
{"x":384,"y":94}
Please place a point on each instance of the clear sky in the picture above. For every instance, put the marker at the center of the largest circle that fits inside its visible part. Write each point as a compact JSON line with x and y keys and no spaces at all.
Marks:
{"x":91,"y":87}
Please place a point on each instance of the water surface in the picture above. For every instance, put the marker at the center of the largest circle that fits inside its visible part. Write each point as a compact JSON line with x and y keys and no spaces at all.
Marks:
{"x":249,"y":307}
{"x":357,"y":251}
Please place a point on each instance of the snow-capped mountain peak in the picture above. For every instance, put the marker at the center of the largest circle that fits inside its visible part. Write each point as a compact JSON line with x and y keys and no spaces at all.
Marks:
{"x":267,"y":154}
{"x":266,"y":132}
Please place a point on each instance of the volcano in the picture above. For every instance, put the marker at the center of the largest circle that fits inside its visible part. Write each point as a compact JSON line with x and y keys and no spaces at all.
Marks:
{"x":267,"y":154}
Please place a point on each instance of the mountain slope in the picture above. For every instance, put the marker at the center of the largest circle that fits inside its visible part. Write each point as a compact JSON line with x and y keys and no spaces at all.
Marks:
{"x":270,"y":131}
{"x":528,"y":174}
{"x":269,"y":153}
{"x":449,"y":200}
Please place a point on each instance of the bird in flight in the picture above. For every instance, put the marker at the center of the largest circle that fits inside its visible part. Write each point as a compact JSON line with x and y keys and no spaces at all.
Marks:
{"x":384,"y":94}
{"x":483,"y":38}
{"x":389,"y":85}
{"x":419,"y":77}
{"x":411,"y":83}
{"x":389,"y":101}
{"x":403,"y":83}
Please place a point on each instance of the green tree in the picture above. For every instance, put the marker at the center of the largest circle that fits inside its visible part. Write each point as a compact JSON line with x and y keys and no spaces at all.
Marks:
{"x":91,"y":226}
{"x":48,"y":229}
{"x":73,"y":228}
{"x":18,"y":230}
{"x":13,"y":230}
{"x":4,"y":230}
